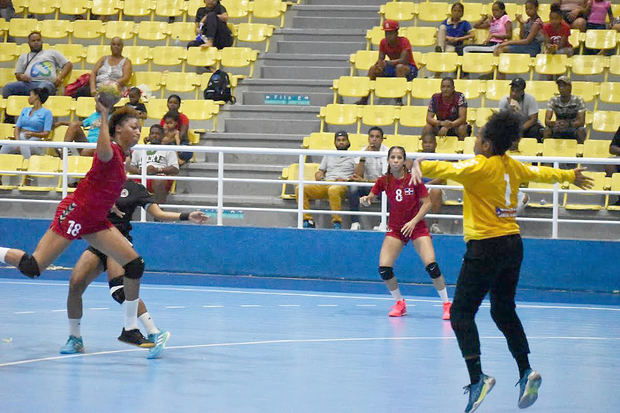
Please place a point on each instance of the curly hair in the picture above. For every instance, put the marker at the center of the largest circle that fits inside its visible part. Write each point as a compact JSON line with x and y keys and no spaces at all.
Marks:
{"x":502,"y":130}
{"x":120,"y":116}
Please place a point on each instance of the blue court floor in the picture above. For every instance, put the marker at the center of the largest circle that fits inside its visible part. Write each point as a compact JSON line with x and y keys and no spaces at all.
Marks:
{"x":276,"y":350}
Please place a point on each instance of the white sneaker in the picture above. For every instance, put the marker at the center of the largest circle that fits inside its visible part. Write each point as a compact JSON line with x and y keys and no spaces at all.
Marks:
{"x":435,"y":229}
{"x":355,"y":226}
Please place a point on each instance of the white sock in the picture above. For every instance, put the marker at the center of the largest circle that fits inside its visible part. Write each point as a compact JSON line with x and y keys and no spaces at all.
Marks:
{"x":148,"y":323}
{"x":131,"y":314}
{"x":443,"y":294}
{"x":74,"y":327}
{"x":396,"y":294}
{"x":3,"y":252}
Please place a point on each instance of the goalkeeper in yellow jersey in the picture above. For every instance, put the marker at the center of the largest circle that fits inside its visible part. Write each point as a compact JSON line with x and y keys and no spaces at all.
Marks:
{"x":494,"y":251}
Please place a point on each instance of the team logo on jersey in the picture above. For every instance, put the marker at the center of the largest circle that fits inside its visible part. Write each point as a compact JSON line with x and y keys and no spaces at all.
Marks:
{"x":409,"y":191}
{"x":124,"y":193}
{"x":505,"y":212}
{"x":41,"y":69}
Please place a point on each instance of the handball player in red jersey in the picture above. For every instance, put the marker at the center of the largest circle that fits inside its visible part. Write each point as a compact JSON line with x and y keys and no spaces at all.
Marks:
{"x":408,"y":206}
{"x":83,"y":214}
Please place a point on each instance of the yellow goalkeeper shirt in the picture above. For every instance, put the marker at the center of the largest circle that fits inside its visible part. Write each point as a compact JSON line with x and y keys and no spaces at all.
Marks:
{"x":490,"y":190}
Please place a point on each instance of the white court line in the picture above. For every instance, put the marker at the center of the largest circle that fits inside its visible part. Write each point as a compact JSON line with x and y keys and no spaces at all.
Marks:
{"x":174,"y":306}
{"x":212,"y":306}
{"x":59,"y":311}
{"x":99,"y":308}
{"x":299,"y":341}
{"x":23,"y":312}
{"x":327,"y":305}
{"x":210,"y":290}
{"x":365,"y":305}
{"x":289,"y":305}
{"x":250,"y":305}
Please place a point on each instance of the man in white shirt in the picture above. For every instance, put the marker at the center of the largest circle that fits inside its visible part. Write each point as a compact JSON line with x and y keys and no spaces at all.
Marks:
{"x":526,"y":105}
{"x":367,"y":170}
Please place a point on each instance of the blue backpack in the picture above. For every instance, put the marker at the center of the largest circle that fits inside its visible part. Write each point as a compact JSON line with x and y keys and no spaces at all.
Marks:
{"x":218,"y":88}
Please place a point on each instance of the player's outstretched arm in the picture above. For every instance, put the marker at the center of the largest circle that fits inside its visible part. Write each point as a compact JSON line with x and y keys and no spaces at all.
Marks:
{"x":581,"y":180}
{"x":197,"y":217}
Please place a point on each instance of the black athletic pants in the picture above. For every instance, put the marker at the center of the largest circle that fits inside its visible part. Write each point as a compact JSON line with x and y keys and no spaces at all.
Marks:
{"x":215,"y":29}
{"x":490,"y":265}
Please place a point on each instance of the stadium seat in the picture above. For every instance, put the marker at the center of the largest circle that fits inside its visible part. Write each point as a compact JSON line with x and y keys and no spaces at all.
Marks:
{"x":398,"y":10}
{"x":238,"y":57}
{"x":192,"y":6}
{"x":542,"y":90}
{"x":139,"y":55}
{"x":9,"y":162}
{"x":7,"y":130}
{"x":7,"y":74}
{"x":267,"y":9}
{"x":480,"y":35}
{"x":432,"y":12}
{"x":363,"y":60}
{"x":43,"y":7}
{"x":57,"y":135}
{"x":76,"y":165}
{"x":84,"y":106}
{"x":181,"y":32}
{"x":237,"y":9}
{"x":15,"y":104}
{"x":74,"y":7}
{"x":585,"y":201}
{"x":153,"y":31}
{"x":411,"y":143}
{"x":550,"y":64}
{"x":167,"y":56}
{"x":88,"y":29}
{"x":39,"y":167}
{"x":334,"y":114}
{"x":453,"y":196}
{"x":75,"y":53}
{"x":169,"y":8}
{"x":4,"y":30}
{"x":153,"y":80}
{"x":606,"y":121}
{"x":420,"y":36}
{"x":378,"y":115}
{"x":468,"y":145}
{"x":351,"y":86}
{"x":22,"y":27}
{"x":56,"y":29}
{"x":527,"y":147}
{"x":512,"y":9}
{"x":445,"y":62}
{"x":559,"y":147}
{"x":105,"y":8}
{"x":201,"y":57}
{"x":596,"y":148}
{"x":473,"y":11}
{"x":471,"y":88}
{"x":137,"y":8}
{"x":541,"y":199}
{"x":318,"y":141}
{"x":201,"y":110}
{"x":60,"y":105}
{"x":291,"y":173}
{"x":424,"y":88}
{"x":9,"y":52}
{"x":180,"y":82}
{"x":157,"y":108}
{"x":391,"y":87}
{"x":412,"y":117}
{"x":447,"y":144}
{"x":374,"y":37}
{"x":586,"y":90}
{"x":482,"y":63}
{"x":126,"y":30}
{"x":513,"y":63}
{"x":614,"y":66}
{"x":254,"y":33}
{"x":96,"y":52}
{"x":588,"y":65}
{"x":615,"y":186}
{"x":483,"y":115}
{"x":610,"y":92}
{"x":600,"y":39}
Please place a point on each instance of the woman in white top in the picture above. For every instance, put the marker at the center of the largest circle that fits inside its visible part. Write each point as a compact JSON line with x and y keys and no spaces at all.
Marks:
{"x":114,"y":68}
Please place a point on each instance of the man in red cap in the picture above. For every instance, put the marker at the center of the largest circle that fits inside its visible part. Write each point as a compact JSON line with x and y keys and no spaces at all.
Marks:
{"x":401,"y":63}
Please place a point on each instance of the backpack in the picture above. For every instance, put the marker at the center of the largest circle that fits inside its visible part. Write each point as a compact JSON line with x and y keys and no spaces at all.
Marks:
{"x":73,"y":89}
{"x":218,"y":88}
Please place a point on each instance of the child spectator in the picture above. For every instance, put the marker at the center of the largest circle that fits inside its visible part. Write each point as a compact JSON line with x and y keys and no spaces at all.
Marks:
{"x":531,"y":36}
{"x":134,"y":102}
{"x":556,"y":33}
{"x":453,"y":32}
{"x":174,"y":103}
{"x":171,"y":132}
{"x":500,"y":29}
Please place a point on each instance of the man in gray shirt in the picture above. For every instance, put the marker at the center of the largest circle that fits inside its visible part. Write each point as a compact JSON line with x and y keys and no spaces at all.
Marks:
{"x":524,"y":104}
{"x":333,"y":168}
{"x":38,"y":69}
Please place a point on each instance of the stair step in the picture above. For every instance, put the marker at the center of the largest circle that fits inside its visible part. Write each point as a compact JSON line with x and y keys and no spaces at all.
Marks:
{"x":314,"y":47}
{"x":294,"y":72}
{"x":359,"y":11}
{"x":304,"y":127}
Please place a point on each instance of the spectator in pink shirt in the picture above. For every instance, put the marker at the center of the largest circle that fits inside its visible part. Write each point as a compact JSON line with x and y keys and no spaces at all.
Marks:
{"x":500,"y":29}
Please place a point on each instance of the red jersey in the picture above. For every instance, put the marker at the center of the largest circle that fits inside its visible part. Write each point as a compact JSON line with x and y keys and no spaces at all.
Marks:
{"x":393,"y":52}
{"x":102,"y":185}
{"x":555,"y":37}
{"x":404,"y":198}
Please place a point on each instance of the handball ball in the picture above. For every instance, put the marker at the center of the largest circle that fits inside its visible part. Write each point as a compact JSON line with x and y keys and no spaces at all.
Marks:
{"x":109,"y":94}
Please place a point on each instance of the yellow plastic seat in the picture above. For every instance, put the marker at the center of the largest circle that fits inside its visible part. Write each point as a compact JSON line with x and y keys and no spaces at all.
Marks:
{"x":390,"y":87}
{"x":267,"y":9}
{"x":374,"y":37}
{"x":615,"y":186}
{"x":180,"y":82}
{"x":9,"y":52}
{"x":334,"y":114}
{"x":512,"y":9}
{"x":411,"y":143}
{"x":7,"y":130}
{"x":22,"y":27}
{"x":182,"y":31}
{"x":139,"y":55}
{"x":398,"y":10}
{"x":192,"y":6}
{"x":584,"y":201}
{"x":540,"y":199}
{"x":237,"y":9}
{"x":75,"y":53}
{"x":168,"y":55}
{"x":480,"y":35}
{"x":412,"y":116}
{"x":514,"y":63}
{"x":201,"y":57}
{"x":600,"y":39}
{"x":351,"y":86}
{"x":425,"y":88}
{"x":496,"y":89}
{"x":318,"y":141}
{"x":614,"y":65}
{"x":169,"y":8}
{"x":453,"y":196}
{"x":586,"y":90}
{"x":153,"y":31}
{"x":238,"y":57}
{"x":363,"y":60}
{"x":44,"y":7}
{"x":471,"y":88}
{"x":468,"y":145}
{"x":96,"y":52}
{"x":200,"y":109}
{"x":483,"y":115}
{"x":606,"y":121}
{"x":9,"y":162}
{"x":596,"y":148}
{"x":126,"y":30}
{"x":39,"y":167}
{"x":587,"y":65}
{"x":88,"y":29}
{"x":482,"y":63}
{"x":57,"y":135}
{"x":84,"y":106}
{"x":610,"y":92}
{"x":105,"y":7}
{"x":157,"y":108}
{"x":15,"y":104}
{"x":60,"y":105}
{"x":550,"y":64}
{"x":473,"y":11}
{"x":542,"y":90}
{"x":447,"y":144}
{"x":527,"y":147}
{"x":153,"y":80}
{"x":358,"y":141}
{"x":420,"y":36}
{"x":137,"y":8}
{"x":560,"y":147}
{"x":55,"y":29}
{"x":379,"y":115}
{"x":255,"y":33}
{"x":432,"y":12}
{"x":74,"y":7}
{"x":291,"y":173}
{"x":442,"y":62}
{"x":7,"y":74}
{"x":76,"y":165}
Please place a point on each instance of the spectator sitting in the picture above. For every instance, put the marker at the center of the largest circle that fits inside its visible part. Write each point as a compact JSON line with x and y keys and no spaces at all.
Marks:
{"x":75,"y":133}
{"x":7,"y":11}
{"x":211,"y":27}
{"x":453,"y":32}
{"x":450,"y":109}
{"x":158,"y":162}
{"x":337,"y":168}
{"x":171,"y":133}
{"x":500,"y":29}
{"x":597,"y":12}
{"x":134,"y":102}
{"x":526,"y":105}
{"x":556,"y":33}
{"x":38,"y":69}
{"x":34,"y":124}
{"x":114,"y":67}
{"x":367,"y":170}
{"x":570,"y":114}
{"x":174,"y":103}
{"x":401,"y":63}
{"x":572,"y":12}
{"x":530,"y":34}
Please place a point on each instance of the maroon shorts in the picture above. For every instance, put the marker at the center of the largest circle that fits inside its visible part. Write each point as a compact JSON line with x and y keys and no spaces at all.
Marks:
{"x":72,"y":221}
{"x":420,"y":230}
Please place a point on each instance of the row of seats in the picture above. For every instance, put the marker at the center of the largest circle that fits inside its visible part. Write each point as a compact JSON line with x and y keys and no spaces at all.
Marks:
{"x":39,"y":167}
{"x":80,"y":30}
{"x":415,"y":116}
{"x":493,"y":90}
{"x":237,"y":9}
{"x":506,"y":63}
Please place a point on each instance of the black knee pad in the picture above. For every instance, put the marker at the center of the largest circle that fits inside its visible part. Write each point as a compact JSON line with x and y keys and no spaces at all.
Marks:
{"x":386,"y":273}
{"x":28,"y":266}
{"x":433,"y":270}
{"x":116,"y":289}
{"x":134,"y":269}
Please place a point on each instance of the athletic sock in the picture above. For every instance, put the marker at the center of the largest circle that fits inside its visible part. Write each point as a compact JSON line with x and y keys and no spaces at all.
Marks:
{"x":396,"y":294}
{"x":3,"y":252}
{"x":523,"y":362}
{"x":443,"y":294}
{"x":474,"y":367}
{"x":74,"y":327}
{"x":148,"y":323}
{"x":131,"y":314}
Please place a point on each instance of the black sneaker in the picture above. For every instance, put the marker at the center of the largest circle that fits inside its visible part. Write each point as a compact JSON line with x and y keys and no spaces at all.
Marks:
{"x":308,"y":223}
{"x":135,"y":338}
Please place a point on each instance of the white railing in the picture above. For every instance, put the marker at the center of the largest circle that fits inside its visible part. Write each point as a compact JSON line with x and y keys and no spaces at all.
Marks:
{"x":301,"y":155}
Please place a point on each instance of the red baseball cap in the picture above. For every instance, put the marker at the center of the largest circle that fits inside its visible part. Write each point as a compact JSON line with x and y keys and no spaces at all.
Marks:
{"x":390,"y":25}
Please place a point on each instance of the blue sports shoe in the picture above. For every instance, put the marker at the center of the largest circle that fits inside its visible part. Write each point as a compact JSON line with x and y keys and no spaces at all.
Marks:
{"x":528,"y":391}
{"x":160,"y":339}
{"x":74,"y":345}
{"x":308,"y":223}
{"x":478,"y":391}
{"x":337,"y":225}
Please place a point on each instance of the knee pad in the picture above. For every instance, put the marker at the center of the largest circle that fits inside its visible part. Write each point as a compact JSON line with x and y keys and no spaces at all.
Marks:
{"x":116,"y":289}
{"x":134,"y":269}
{"x":386,"y":273}
{"x":28,"y":266}
{"x":433,"y":270}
